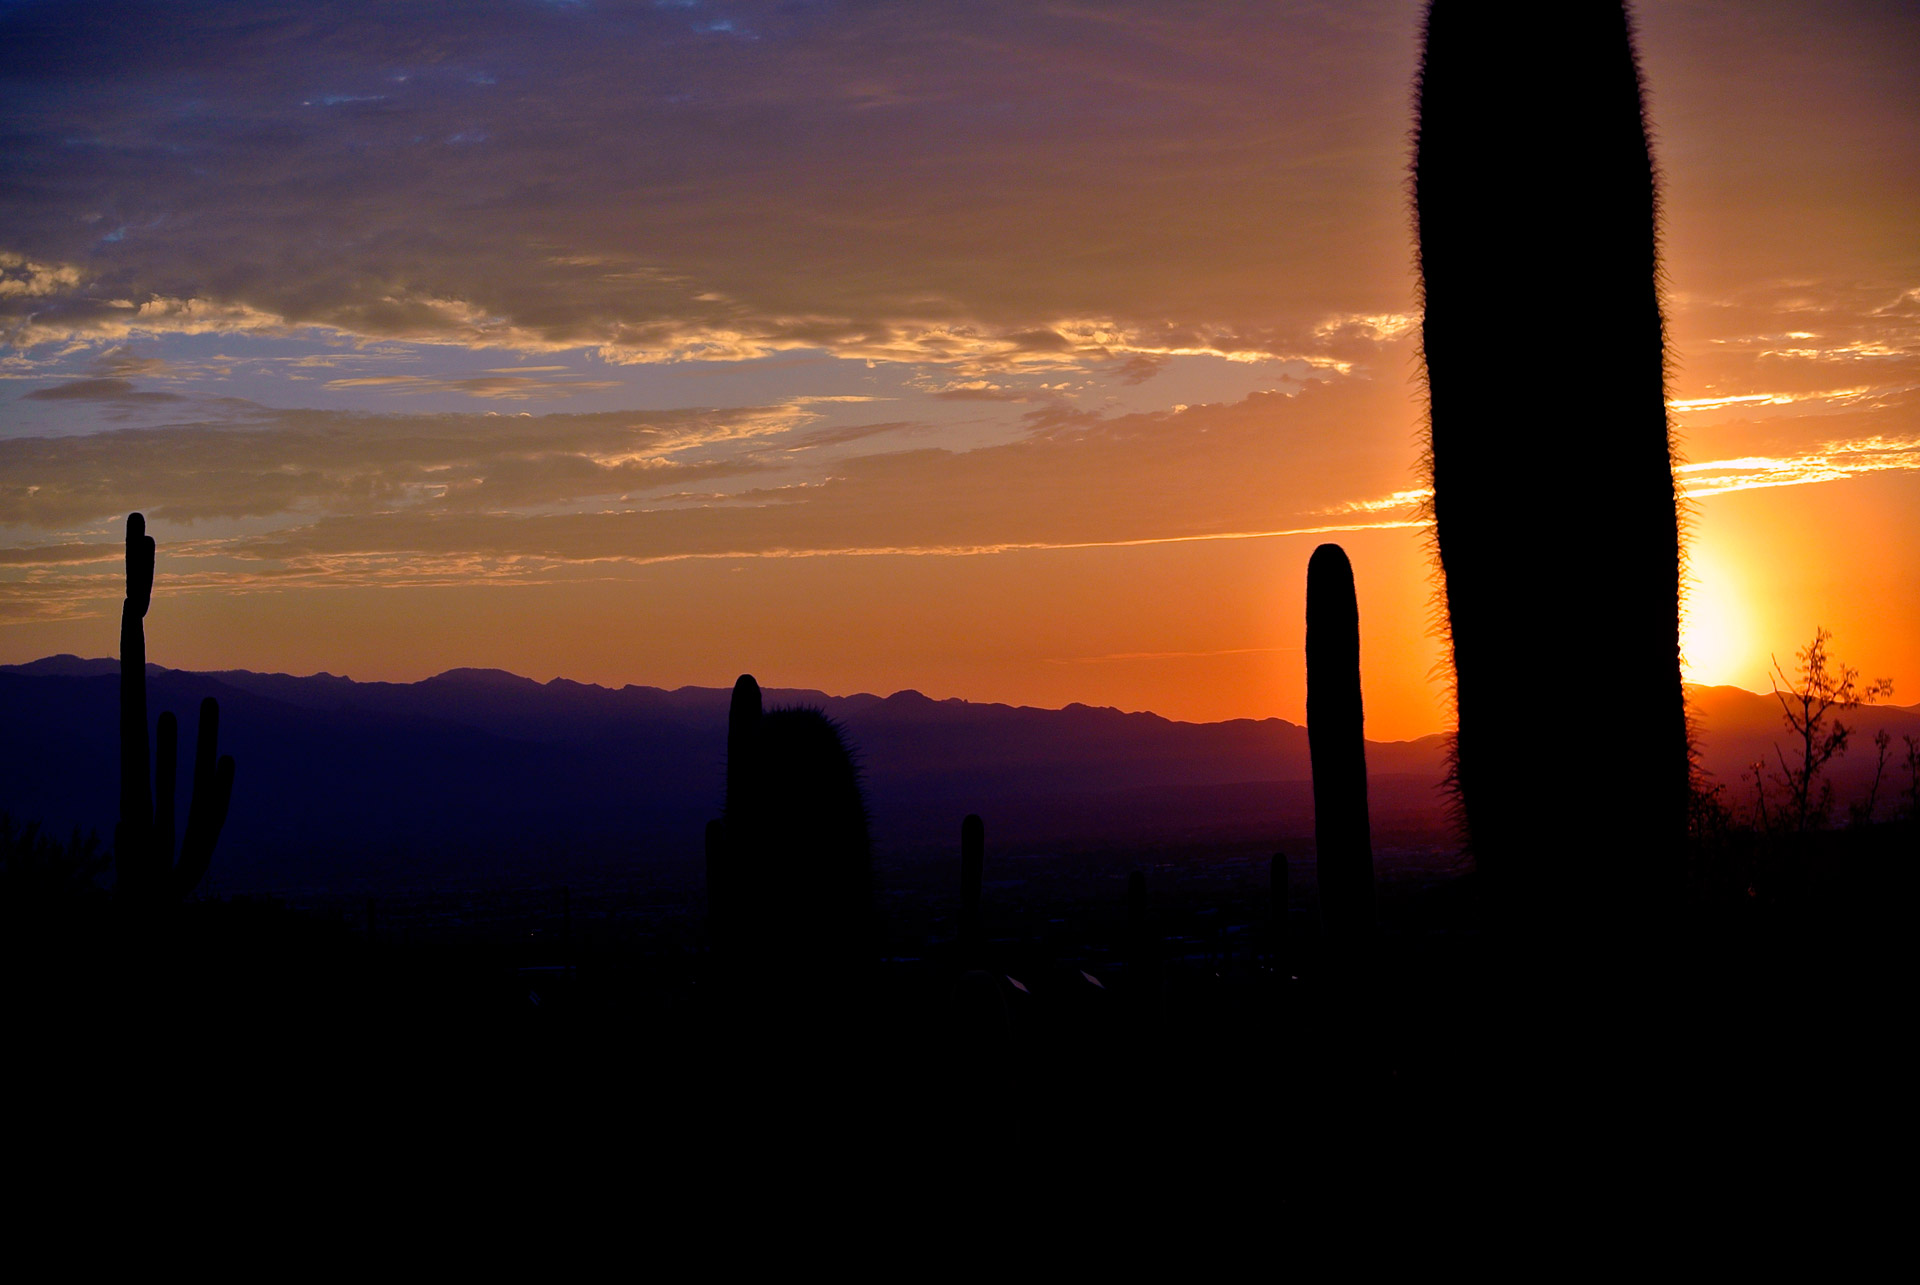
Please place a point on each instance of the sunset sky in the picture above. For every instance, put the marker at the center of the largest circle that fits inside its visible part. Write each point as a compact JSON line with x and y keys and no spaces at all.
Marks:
{"x":1016,"y":352}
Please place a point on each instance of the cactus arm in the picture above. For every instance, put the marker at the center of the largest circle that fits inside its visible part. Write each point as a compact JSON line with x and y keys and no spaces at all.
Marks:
{"x":130,"y":838}
{"x":743,"y":726}
{"x":166,"y":776}
{"x":143,"y":837}
{"x":207,"y":806}
{"x":140,"y":558}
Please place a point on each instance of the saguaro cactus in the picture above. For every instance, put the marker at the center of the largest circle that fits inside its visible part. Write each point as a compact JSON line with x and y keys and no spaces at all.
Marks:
{"x":1337,"y":741}
{"x":1553,"y":493}
{"x":143,"y":839}
{"x":791,"y":861}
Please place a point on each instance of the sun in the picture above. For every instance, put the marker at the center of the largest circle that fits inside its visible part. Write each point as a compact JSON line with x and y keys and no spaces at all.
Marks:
{"x":1715,"y":627}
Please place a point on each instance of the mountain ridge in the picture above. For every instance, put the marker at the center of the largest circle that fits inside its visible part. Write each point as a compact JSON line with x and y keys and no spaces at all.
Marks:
{"x":485,"y":772}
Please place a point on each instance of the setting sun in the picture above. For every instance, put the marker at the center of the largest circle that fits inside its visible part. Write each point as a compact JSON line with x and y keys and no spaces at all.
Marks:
{"x":1716,"y":630}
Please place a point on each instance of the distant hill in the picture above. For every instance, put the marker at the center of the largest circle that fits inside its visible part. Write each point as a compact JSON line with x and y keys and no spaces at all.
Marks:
{"x":1736,"y":727}
{"x":486,"y":772}
{"x":482,"y":772}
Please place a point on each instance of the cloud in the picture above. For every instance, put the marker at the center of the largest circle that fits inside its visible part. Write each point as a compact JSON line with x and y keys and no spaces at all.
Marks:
{"x":1256,"y":467}
{"x":98,"y":390}
{"x":1793,"y":346}
{"x":389,"y":498}
{"x":927,"y":184}
{"x":505,"y":387}
{"x":57,"y":555}
{"x":1833,"y":462}
{"x":290,"y":462}
{"x":22,"y":278}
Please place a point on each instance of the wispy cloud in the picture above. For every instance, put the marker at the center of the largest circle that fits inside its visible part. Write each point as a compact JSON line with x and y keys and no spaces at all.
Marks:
{"x":540,"y":178}
{"x":1834,"y":462}
{"x":1830,"y":396}
{"x":503,"y":387}
{"x":1127,"y":656}
{"x":394,"y":498}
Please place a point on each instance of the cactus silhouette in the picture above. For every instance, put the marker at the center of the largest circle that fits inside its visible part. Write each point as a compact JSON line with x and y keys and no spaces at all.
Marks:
{"x":1553,"y":495}
{"x":790,"y":877}
{"x":1336,"y":740}
{"x":147,"y":871}
{"x":973,"y":849}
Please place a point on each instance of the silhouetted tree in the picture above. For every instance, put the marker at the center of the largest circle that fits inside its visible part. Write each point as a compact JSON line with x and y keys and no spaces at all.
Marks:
{"x":1862,"y":811}
{"x":1913,"y":777}
{"x":1811,"y":703}
{"x":1553,"y":493}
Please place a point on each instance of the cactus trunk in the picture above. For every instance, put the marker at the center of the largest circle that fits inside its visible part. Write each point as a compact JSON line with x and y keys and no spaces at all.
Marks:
{"x":790,"y":866}
{"x":1553,"y":493}
{"x":1337,"y":742}
{"x":132,"y":835}
{"x":143,"y":839}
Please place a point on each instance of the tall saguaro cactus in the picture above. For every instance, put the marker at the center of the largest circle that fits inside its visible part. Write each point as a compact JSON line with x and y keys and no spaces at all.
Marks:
{"x":1336,"y":739}
{"x":143,"y":839}
{"x":1553,"y":493}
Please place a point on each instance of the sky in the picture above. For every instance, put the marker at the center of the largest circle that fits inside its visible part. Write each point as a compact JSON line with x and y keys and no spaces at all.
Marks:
{"x":1008,"y":351}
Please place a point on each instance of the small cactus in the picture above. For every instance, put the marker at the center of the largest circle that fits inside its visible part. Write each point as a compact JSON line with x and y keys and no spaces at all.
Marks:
{"x":143,"y":841}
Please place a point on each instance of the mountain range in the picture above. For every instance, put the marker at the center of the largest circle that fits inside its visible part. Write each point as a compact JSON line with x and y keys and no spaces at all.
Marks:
{"x":486,"y":774}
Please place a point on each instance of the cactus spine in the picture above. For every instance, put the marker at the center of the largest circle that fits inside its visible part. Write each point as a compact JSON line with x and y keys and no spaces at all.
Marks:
{"x":1337,"y":742}
{"x":143,"y":839}
{"x":1553,"y":494}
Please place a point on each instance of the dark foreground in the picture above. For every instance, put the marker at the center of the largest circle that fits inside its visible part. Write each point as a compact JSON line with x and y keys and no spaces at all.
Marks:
{"x":1208,"y":1042}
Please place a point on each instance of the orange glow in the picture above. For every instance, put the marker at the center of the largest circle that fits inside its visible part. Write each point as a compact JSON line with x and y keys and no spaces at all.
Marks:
{"x":1034,"y":378}
{"x":1717,"y":642}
